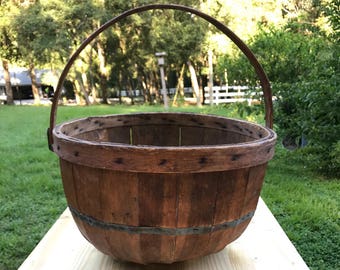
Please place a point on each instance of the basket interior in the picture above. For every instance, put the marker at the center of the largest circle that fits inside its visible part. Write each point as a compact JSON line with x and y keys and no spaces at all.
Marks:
{"x":164,"y":129}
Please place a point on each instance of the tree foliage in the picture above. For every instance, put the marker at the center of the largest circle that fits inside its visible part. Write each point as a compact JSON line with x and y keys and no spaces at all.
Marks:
{"x":8,"y":46}
{"x":295,"y":41}
{"x":36,"y":34}
{"x":303,"y":65}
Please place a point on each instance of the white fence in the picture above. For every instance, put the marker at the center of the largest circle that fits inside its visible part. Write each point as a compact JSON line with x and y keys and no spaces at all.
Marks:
{"x":221,"y":94}
{"x":230,"y":94}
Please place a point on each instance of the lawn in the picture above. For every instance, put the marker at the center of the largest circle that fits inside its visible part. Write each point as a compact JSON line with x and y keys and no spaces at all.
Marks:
{"x":31,"y":195}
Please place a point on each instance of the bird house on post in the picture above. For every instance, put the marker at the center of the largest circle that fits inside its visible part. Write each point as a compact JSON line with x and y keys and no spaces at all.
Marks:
{"x":160,"y":57}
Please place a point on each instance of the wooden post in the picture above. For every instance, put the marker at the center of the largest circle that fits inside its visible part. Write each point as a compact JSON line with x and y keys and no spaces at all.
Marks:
{"x":160,"y":58}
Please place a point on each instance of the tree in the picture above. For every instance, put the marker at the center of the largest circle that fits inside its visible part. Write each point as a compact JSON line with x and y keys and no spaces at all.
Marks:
{"x":303,"y":70}
{"x":47,"y":32}
{"x":300,"y":58}
{"x":175,"y":35}
{"x":8,"y":48}
{"x":80,"y":20}
{"x":135,"y":40}
{"x":331,"y":11}
{"x":36,"y":38}
{"x":8,"y":85}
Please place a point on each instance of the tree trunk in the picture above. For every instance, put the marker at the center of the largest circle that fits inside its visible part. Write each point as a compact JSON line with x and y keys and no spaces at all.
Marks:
{"x":194,"y":83}
{"x":8,"y":86}
{"x":103,"y":73}
{"x":154,"y":86}
{"x":35,"y":87}
{"x":144,"y":83}
{"x":180,"y":86}
{"x":80,"y":85}
{"x":226,"y":78}
{"x":211,"y":77}
{"x":77,"y":92}
{"x":85,"y":88}
{"x":130,"y":89}
{"x":146,"y":93}
{"x":120,"y":83}
{"x":91,"y":86}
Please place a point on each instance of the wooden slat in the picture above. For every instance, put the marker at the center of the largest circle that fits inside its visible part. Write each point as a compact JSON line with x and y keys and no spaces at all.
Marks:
{"x":264,"y":245}
{"x":254,"y":186}
{"x":121,"y":203}
{"x":69,"y":186}
{"x":209,"y":136}
{"x":227,"y":204}
{"x":87,"y":182}
{"x":197,"y":194}
{"x":161,"y":135}
{"x":119,"y":135}
{"x":157,"y":209}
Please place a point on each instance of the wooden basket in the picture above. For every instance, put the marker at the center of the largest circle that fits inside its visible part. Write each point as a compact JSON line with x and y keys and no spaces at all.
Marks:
{"x":162,"y":187}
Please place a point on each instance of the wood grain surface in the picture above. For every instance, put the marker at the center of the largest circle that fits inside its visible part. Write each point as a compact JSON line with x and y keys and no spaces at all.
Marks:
{"x":263,"y":245}
{"x":122,"y":142}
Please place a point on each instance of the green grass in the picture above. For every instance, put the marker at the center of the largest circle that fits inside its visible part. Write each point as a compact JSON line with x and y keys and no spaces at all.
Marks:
{"x":307,"y":207}
{"x":31,"y":195}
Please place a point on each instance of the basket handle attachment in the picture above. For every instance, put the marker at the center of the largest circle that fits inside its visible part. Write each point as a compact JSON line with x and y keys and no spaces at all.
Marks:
{"x":220,"y":26}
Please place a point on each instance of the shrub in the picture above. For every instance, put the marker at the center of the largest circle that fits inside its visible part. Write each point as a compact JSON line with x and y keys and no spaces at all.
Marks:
{"x":303,"y":69}
{"x":310,"y":110}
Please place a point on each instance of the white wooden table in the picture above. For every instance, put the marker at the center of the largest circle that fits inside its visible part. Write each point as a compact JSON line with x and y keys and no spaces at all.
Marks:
{"x":263,"y":245}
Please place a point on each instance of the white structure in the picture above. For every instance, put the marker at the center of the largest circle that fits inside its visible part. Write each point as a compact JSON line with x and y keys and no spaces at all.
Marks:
{"x":230,"y":94}
{"x":21,"y":82}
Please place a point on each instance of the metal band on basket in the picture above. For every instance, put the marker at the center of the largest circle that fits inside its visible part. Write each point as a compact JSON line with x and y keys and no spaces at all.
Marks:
{"x":159,"y":230}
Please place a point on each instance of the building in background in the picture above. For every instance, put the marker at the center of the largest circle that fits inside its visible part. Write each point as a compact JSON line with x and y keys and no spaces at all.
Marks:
{"x":22,"y":85}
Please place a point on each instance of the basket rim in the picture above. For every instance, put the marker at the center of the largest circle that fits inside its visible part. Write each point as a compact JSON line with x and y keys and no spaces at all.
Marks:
{"x":165,"y":159}
{"x":271,"y":135}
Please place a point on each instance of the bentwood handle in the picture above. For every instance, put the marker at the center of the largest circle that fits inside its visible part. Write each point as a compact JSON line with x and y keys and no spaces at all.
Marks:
{"x":240,"y":44}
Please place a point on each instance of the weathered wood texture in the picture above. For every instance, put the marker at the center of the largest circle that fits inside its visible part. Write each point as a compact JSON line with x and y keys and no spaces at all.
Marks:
{"x":263,"y":245}
{"x":162,"y":187}
{"x":203,"y":143}
{"x":174,"y":186}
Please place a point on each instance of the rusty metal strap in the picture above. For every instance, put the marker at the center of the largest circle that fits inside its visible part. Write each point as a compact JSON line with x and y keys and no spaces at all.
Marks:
{"x":158,"y":230}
